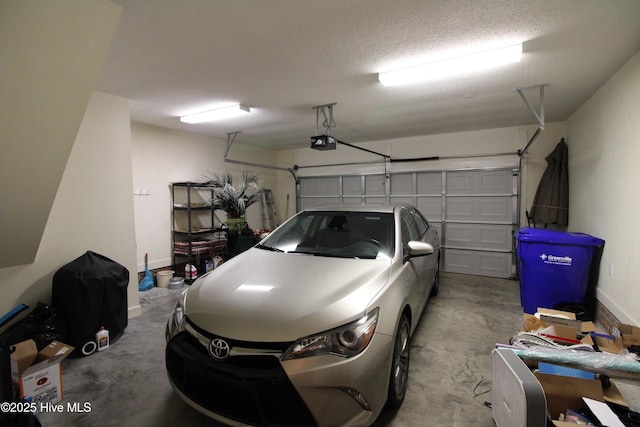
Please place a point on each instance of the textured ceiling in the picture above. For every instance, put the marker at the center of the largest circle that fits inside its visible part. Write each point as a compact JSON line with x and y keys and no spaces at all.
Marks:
{"x":283,"y":57}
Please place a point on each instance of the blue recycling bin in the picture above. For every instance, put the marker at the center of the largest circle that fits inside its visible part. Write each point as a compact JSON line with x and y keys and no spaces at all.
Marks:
{"x":554,"y":267}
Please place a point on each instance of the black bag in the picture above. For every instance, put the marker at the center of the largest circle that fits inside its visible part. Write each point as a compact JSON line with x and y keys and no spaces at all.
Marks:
{"x":90,"y":292}
{"x":628,"y":417}
{"x":43,"y":325}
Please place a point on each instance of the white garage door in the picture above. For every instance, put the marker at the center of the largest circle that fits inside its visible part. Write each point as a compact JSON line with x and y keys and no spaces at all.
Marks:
{"x":475,"y":211}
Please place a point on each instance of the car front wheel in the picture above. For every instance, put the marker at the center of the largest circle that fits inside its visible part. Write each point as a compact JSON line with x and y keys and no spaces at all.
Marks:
{"x":400,"y":365}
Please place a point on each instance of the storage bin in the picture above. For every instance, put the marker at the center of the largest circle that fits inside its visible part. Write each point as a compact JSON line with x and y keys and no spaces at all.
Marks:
{"x":554,"y":267}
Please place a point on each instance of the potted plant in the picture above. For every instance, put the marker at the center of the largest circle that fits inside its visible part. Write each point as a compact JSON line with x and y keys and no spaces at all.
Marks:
{"x":234,"y":200}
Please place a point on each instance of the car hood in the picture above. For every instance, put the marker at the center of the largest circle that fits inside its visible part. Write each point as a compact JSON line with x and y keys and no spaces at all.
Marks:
{"x":266,"y":296}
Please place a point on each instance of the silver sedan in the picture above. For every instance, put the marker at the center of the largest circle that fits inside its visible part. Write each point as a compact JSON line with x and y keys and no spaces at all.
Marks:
{"x":310,"y":327}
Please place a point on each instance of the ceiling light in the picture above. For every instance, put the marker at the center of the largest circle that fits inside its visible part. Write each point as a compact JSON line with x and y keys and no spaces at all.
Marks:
{"x":217,"y":114}
{"x":448,"y":67}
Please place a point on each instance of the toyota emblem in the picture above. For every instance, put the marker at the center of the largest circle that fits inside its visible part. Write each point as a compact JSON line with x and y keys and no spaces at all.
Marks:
{"x":219,"y":349}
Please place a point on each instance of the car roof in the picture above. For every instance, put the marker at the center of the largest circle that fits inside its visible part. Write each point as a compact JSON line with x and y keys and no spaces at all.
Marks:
{"x":355,"y":208}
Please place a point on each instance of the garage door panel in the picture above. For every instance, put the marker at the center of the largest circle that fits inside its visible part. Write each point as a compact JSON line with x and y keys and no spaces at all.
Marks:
{"x":352,"y":200}
{"x":495,"y":209}
{"x":497,"y":237}
{"x":492,"y":264}
{"x":429,"y":183}
{"x":459,"y":235}
{"x":374,"y":201}
{"x":402,"y":183}
{"x":495,"y":182}
{"x":430,"y":206}
{"x":460,"y":183}
{"x":479,"y":182}
{"x":352,"y":185}
{"x":402,"y":200}
{"x":374,"y":185}
{"x":319,"y":201}
{"x":320,"y":186}
{"x":478,"y":236}
{"x":471,"y":208}
{"x":460,"y":209}
{"x":458,"y":261}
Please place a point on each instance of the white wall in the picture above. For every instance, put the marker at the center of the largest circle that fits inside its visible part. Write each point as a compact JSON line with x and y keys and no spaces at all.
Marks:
{"x":52,"y":53}
{"x":162,"y":156}
{"x":604,"y":153}
{"x":92,"y":210}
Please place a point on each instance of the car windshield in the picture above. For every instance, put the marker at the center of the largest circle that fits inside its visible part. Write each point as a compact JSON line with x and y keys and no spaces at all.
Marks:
{"x":333,"y":233}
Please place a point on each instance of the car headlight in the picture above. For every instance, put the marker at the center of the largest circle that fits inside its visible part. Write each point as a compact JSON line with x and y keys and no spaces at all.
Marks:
{"x":345,"y":341}
{"x":178,"y":313}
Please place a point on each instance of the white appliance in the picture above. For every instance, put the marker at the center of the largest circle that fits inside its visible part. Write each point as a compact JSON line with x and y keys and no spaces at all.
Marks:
{"x":517,"y":397}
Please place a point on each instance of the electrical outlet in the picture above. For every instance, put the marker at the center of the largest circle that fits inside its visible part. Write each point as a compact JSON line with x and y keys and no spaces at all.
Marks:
{"x":610,"y":269}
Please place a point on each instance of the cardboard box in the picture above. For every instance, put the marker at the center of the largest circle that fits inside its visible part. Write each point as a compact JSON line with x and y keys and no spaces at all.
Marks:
{"x":626,"y":335}
{"x":38,"y":375}
{"x":602,"y":342}
{"x":564,"y":323}
{"x":563,"y":392}
{"x":23,"y":356}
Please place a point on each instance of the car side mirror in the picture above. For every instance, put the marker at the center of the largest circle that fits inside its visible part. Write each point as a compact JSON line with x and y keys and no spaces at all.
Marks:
{"x":418,"y":248}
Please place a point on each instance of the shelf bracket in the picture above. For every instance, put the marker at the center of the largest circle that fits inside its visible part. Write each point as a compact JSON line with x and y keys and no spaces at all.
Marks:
{"x":231,"y":136}
{"x":539,"y":116}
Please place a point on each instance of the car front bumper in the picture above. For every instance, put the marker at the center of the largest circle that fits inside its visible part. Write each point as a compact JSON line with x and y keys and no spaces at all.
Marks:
{"x":258,"y":389}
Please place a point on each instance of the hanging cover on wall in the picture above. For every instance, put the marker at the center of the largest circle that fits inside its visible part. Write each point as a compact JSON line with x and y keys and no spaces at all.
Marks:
{"x":90,"y":292}
{"x":551,"y":203}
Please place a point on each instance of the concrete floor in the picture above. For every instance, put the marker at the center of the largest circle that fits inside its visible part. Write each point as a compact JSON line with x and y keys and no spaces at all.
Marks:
{"x":126,"y":385}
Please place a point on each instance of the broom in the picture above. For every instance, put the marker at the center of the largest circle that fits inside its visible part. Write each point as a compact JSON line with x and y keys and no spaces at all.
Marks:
{"x":147,"y":281}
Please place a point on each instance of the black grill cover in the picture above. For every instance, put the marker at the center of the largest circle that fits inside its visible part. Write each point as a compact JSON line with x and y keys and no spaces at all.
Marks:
{"x":89,"y":292}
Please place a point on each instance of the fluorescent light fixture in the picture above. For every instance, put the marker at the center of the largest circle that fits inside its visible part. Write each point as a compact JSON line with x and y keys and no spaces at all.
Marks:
{"x":448,"y":67}
{"x":217,"y":114}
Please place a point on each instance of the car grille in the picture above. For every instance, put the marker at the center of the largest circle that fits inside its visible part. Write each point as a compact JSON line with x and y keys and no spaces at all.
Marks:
{"x":273,"y":346}
{"x":250,"y":389}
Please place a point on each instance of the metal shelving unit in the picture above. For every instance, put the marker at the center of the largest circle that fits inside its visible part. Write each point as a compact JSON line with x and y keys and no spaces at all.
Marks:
{"x":194,"y":235}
